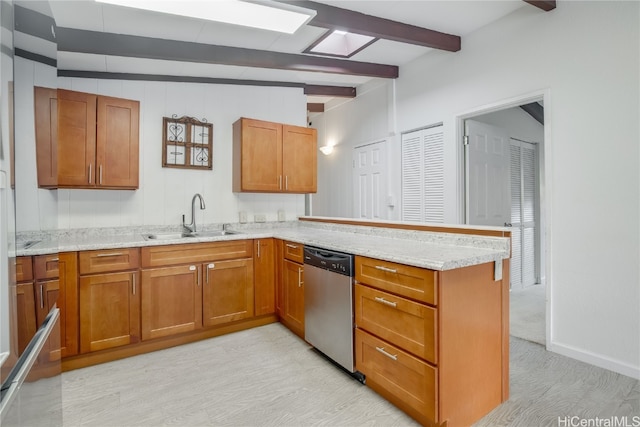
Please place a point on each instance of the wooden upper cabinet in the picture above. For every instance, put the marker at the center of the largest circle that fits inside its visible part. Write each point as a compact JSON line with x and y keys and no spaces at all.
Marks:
{"x":273,"y":158}
{"x":299,"y":159}
{"x":257,"y":156}
{"x":46,"y":127}
{"x":117,"y":143}
{"x":85,"y":140}
{"x":76,"y":139}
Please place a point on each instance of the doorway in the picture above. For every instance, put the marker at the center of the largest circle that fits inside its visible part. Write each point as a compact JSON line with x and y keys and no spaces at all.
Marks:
{"x":503,"y":149}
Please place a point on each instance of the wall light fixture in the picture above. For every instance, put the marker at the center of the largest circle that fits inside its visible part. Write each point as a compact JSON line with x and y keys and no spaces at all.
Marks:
{"x":326,"y":149}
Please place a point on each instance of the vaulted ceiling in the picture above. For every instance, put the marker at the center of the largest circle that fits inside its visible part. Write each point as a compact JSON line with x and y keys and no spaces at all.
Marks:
{"x":107,"y":41}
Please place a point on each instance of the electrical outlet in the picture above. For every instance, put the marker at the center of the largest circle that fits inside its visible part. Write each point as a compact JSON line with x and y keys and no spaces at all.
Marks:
{"x":260,"y":218}
{"x":281,"y":215}
{"x":242,"y":217}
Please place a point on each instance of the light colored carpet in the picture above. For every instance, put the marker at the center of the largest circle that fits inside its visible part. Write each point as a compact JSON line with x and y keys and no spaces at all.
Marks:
{"x":527,"y":314}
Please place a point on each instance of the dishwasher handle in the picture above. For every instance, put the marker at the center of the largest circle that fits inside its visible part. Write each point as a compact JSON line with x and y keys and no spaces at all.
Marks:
{"x":329,"y":256}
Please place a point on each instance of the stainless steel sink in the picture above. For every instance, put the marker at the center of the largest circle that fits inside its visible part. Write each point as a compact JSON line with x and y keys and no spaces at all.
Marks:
{"x":173,"y":236}
{"x":26,"y":244}
{"x":165,"y":236}
{"x":213,"y":233}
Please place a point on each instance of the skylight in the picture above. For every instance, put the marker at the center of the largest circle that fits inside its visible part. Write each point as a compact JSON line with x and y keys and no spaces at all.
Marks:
{"x":271,"y":16}
{"x":340,"y":43}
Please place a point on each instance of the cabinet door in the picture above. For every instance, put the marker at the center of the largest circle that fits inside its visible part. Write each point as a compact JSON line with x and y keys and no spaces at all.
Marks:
{"x":63,"y":292}
{"x":171,"y":301}
{"x":257,"y":156}
{"x":227,"y":291}
{"x":46,"y":126}
{"x":117,"y":143}
{"x":299,"y":159}
{"x":68,"y":302}
{"x":47,"y":295}
{"x":279,"y":278}
{"x":265,"y":276}
{"x":109,"y":311}
{"x":293,"y":296}
{"x":25,"y":310}
{"x":76,"y":138}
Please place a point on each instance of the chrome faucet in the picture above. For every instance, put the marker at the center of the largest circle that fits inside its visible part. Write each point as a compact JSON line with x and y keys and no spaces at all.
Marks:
{"x":192,"y":226}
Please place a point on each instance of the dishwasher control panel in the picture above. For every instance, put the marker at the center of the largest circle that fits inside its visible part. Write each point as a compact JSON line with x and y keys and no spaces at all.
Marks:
{"x":338,"y":262}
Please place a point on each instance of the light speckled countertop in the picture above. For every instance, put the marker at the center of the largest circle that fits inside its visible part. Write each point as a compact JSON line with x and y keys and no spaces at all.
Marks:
{"x":437,"y":251}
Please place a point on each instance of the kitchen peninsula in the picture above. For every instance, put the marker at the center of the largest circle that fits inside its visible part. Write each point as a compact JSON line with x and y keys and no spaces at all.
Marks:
{"x":431,"y":307}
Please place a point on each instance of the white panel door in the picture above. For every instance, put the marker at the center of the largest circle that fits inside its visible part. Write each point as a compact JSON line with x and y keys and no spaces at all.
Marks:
{"x":370,"y":181}
{"x":487,"y":174}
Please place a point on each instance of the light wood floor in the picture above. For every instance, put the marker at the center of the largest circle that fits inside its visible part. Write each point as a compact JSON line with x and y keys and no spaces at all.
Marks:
{"x":268,"y":377}
{"x":527,"y":318}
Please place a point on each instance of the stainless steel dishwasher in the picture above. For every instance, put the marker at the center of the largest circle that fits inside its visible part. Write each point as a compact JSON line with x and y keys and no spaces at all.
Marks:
{"x":328,"y":305}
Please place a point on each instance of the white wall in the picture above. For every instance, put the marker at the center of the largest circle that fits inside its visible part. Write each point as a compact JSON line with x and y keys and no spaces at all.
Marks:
{"x":36,"y":209}
{"x":346,"y":124}
{"x":586,"y":56}
{"x":165,"y":193}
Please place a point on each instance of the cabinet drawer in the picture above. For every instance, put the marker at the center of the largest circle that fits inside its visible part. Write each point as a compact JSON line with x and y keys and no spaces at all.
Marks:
{"x":410,"y":325}
{"x":107,"y":260}
{"x":399,"y":375}
{"x":411,"y":282}
{"x":24,"y":269}
{"x":193,"y":253}
{"x":46,"y":267}
{"x":293,"y":251}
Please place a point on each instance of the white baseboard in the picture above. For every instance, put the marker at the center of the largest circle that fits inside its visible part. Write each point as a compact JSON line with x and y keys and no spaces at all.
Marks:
{"x":596,"y":360}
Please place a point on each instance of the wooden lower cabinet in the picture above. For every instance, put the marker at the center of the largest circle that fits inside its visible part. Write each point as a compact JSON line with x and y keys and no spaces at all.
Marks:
{"x":25,"y":309}
{"x":264,"y":273}
{"x":109,"y":311}
{"x":171,"y":300}
{"x":398,"y":376}
{"x":293,"y":296}
{"x":227,"y":291}
{"x":411,"y":325}
{"x":57,"y":284}
{"x":444,"y":364}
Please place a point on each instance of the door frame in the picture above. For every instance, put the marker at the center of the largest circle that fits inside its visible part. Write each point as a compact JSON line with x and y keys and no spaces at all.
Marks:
{"x":545,"y":180}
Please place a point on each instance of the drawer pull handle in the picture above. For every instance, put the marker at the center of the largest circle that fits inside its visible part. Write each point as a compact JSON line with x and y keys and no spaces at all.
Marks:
{"x":133,"y":280}
{"x":299,"y":277}
{"x":386,"y":302}
{"x":289,"y":245}
{"x":388,"y":270}
{"x":54,"y":260}
{"x":111,"y":254}
{"x":389,"y":355}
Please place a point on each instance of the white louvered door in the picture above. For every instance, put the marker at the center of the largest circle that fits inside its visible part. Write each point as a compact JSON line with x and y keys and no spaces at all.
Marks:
{"x":423,"y":175}
{"x":524,"y":262}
